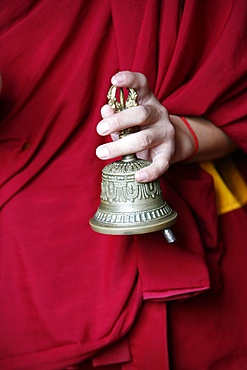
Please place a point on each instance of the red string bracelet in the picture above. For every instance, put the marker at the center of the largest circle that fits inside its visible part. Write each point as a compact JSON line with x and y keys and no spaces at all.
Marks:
{"x":193,"y":135}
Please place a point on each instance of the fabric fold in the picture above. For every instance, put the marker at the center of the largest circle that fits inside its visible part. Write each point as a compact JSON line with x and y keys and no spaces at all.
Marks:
{"x":68,"y":294}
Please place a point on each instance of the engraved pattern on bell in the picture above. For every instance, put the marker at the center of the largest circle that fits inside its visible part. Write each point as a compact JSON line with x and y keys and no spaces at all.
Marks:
{"x":119,"y":185}
{"x":133,"y":217}
{"x":127,"y":204}
{"x":127,"y":191}
{"x":124,"y":166}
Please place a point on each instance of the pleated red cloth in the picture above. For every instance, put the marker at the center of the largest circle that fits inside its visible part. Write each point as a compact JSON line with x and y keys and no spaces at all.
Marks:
{"x":69,"y":295}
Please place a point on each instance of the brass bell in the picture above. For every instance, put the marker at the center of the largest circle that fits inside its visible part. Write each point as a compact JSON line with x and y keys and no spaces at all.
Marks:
{"x":127,"y":206}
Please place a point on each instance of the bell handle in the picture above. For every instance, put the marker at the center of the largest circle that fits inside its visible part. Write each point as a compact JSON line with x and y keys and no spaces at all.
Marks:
{"x":123,"y":104}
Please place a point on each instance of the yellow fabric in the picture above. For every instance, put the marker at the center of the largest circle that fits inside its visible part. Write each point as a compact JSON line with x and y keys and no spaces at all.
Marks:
{"x":230,"y":186}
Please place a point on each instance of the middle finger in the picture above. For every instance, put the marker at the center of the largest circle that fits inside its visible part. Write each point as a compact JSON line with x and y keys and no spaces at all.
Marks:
{"x":136,"y":116}
{"x":129,"y":144}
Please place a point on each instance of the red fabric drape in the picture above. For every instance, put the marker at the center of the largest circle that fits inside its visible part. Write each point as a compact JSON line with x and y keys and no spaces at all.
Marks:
{"x":66,"y":292}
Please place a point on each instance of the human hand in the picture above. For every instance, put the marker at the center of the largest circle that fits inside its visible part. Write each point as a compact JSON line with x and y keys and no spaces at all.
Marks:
{"x":155,"y":138}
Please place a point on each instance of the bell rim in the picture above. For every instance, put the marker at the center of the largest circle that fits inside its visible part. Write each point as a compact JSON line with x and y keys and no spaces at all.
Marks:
{"x":143,"y":228}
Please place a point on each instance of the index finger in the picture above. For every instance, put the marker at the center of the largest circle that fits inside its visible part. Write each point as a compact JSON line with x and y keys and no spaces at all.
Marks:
{"x":136,"y":81}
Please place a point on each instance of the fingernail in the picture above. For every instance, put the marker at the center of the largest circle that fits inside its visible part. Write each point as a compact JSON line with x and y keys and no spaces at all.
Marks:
{"x":118,"y":78}
{"x":103,"y":127}
{"x":142,"y":176}
{"x":102,"y":152}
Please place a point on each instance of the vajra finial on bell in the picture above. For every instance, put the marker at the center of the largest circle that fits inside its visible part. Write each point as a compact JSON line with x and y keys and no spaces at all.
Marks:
{"x":127,"y":206}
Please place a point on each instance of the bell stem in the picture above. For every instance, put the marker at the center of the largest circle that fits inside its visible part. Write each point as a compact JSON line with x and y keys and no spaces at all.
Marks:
{"x":128,"y":157}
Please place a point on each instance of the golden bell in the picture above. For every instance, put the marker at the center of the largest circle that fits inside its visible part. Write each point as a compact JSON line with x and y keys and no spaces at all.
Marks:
{"x":127,"y":206}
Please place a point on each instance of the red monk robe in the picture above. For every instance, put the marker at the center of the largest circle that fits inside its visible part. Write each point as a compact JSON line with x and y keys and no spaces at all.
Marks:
{"x":67,"y":294}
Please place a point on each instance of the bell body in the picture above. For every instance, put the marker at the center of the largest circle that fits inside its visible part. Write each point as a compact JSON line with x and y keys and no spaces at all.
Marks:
{"x":127,"y":206}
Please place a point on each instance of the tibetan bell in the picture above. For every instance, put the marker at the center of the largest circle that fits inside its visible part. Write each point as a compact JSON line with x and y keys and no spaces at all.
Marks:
{"x":127,"y":206}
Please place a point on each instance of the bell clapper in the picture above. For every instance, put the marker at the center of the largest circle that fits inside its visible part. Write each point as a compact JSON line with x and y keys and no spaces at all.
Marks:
{"x":170,"y":237}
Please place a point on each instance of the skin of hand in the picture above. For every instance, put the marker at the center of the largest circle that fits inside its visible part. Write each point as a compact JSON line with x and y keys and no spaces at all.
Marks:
{"x":160,"y":138}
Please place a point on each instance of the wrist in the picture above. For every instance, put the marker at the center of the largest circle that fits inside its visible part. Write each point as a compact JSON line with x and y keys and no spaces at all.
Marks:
{"x":186,"y":141}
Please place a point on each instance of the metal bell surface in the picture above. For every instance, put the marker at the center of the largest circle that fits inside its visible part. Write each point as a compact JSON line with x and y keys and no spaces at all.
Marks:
{"x":127,"y":206}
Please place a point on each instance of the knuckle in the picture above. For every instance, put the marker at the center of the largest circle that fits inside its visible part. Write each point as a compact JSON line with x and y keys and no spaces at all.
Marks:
{"x":142,"y":112}
{"x":143,"y":79}
{"x":146,"y":139}
{"x":166,"y":165}
{"x":155,"y":172}
{"x":161,"y":168}
{"x":128,"y":75}
{"x":140,"y":77}
{"x":167,"y":130}
{"x":116,"y":122}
